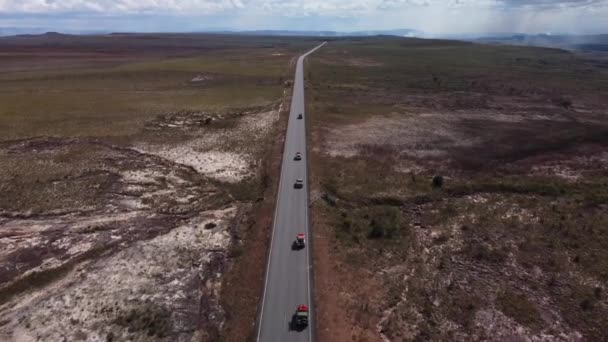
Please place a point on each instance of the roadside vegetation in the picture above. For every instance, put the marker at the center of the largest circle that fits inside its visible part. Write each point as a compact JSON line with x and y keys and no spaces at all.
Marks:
{"x":462,"y":189}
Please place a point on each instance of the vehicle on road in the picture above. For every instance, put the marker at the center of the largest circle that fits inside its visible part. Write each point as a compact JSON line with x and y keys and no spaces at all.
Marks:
{"x":300,"y":318}
{"x":287,"y":282}
{"x":300,"y":241}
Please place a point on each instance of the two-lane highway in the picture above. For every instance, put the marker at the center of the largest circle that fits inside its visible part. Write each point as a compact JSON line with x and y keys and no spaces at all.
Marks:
{"x":288,"y":281}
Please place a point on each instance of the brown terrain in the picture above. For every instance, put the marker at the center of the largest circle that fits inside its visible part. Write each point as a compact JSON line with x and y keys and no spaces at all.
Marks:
{"x":459,"y":192}
{"x":137,"y":175}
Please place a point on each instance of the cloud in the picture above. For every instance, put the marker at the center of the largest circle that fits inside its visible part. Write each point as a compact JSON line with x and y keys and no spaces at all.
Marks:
{"x":551,"y":3}
{"x":118,"y":6}
{"x":318,"y":7}
{"x":435,"y":16}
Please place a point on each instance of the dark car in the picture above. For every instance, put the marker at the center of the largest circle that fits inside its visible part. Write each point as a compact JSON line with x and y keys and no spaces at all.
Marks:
{"x":300,"y":318}
{"x":298,"y":156}
{"x":299,"y":184}
{"x":300,"y":116}
{"x":300,"y":241}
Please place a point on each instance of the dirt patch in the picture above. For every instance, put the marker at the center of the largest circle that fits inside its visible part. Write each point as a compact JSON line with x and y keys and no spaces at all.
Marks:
{"x":414,"y":136}
{"x":346,"y":298}
{"x":450,"y":135}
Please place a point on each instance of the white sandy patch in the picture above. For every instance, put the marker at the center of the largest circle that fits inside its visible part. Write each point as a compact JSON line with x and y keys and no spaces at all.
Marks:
{"x":560,"y":171}
{"x":79,"y":248}
{"x":201,"y":78}
{"x":11,"y":244}
{"x":26,"y":233}
{"x":260,"y":123}
{"x":503,"y":328}
{"x":520,"y":215}
{"x":573,"y":168}
{"x":409,"y":167}
{"x":101,"y":220}
{"x":133,"y":204}
{"x":141,"y":176}
{"x":29,"y":226}
{"x":224,"y":155}
{"x":476,"y":198}
{"x":223,"y":166}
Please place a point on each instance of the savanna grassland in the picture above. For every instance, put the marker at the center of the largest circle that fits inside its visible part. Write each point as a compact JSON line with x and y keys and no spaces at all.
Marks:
{"x":133,"y":170}
{"x":460,"y":191}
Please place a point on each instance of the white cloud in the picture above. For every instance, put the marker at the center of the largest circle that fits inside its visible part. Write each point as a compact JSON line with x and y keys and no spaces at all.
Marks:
{"x":118,"y":6}
{"x":318,"y":7}
{"x":438,"y":16}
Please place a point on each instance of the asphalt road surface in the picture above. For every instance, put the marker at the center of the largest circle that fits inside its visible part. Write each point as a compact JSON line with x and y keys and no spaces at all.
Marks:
{"x":288,"y":282}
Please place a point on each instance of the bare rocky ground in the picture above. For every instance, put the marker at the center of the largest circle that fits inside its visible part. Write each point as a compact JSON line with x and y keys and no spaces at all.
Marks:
{"x":101,"y":242}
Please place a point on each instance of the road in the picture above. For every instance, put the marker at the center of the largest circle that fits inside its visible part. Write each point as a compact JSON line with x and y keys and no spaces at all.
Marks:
{"x":288,"y":281}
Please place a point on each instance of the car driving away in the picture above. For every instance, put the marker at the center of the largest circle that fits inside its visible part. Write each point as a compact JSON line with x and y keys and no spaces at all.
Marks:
{"x":300,"y":116}
{"x":300,"y":241}
{"x":299,"y":184}
{"x":299,"y":320}
{"x":298,"y":156}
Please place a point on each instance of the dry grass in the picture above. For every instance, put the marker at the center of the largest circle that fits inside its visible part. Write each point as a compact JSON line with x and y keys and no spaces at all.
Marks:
{"x":132,"y":159}
{"x":149,"y":78}
{"x":512,"y":244}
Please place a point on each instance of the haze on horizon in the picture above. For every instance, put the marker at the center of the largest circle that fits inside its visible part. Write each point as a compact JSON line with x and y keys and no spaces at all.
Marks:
{"x":433,"y":17}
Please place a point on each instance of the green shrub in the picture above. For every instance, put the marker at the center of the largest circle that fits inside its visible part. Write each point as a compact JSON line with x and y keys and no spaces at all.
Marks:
{"x":384,"y":223}
{"x":438,"y":181}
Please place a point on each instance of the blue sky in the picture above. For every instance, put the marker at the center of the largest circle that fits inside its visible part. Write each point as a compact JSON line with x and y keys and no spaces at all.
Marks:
{"x":429,"y":16}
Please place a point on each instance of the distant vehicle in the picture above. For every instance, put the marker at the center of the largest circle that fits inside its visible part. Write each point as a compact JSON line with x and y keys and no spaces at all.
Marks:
{"x":300,"y":241}
{"x":300,"y":116}
{"x":300,"y":318}
{"x":299,"y":184}
{"x":298,"y":156}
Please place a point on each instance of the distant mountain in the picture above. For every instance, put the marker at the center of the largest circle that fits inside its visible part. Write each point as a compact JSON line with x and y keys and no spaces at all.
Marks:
{"x":18,"y":31}
{"x":397,"y":32}
{"x":14,"y":31}
{"x":598,"y":42}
